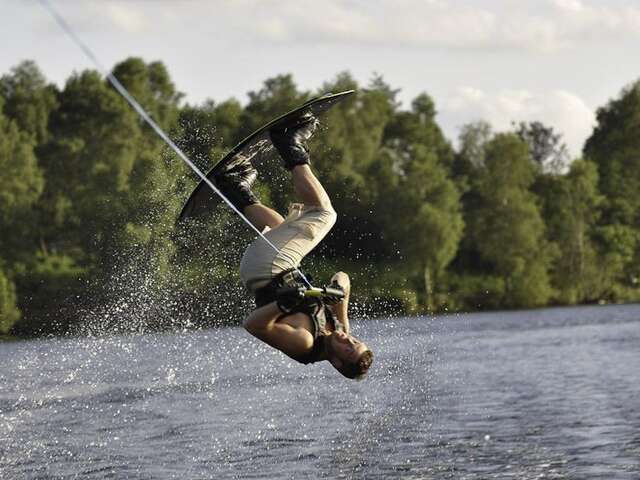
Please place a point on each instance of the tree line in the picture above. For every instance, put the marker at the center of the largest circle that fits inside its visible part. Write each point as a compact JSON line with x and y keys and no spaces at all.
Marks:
{"x":89,"y":197}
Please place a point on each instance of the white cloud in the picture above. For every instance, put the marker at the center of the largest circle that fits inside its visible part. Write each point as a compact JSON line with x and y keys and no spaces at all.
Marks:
{"x":564,"y":111}
{"x":546,"y":26}
{"x":125,"y":16}
{"x":499,"y":24}
{"x":90,"y":16}
{"x":582,"y":20}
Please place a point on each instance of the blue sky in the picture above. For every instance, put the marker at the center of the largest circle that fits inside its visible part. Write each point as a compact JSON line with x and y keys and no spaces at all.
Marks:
{"x":499,"y":60}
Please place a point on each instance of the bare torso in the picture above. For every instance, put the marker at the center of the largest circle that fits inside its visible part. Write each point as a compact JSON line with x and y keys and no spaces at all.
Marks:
{"x":302,"y":321}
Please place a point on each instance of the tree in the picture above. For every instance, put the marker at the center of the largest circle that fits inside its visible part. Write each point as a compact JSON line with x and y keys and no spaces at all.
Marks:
{"x":571,"y":208}
{"x":615,"y":148}
{"x":424,"y":218}
{"x":148,"y":209}
{"x":345,"y":154}
{"x":472,"y":139}
{"x":21,"y":180}
{"x":507,"y":228}
{"x":546,"y":148}
{"x":21,"y":183}
{"x":9,"y":312}
{"x":89,"y":162}
{"x":151,"y":85}
{"x":278,"y":95}
{"x":29,"y":100}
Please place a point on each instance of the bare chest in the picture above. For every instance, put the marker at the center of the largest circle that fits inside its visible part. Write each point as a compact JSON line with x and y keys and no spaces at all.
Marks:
{"x":303,"y":321}
{"x":299,"y":320}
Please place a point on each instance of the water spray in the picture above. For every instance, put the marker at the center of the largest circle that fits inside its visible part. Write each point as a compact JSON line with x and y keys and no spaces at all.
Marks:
{"x":147,"y":118}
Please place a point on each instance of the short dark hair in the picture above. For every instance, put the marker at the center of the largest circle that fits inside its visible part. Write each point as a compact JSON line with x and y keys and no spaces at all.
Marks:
{"x":358,"y":369}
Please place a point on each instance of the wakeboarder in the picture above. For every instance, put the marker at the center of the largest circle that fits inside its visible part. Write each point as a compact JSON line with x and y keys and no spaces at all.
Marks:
{"x":306,"y":328}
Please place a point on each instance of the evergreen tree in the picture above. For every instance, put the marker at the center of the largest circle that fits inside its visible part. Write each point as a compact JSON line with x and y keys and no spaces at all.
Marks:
{"x":88,"y":164}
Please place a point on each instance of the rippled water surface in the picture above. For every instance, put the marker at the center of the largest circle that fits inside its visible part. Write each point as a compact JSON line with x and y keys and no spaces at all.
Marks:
{"x":534,"y":394}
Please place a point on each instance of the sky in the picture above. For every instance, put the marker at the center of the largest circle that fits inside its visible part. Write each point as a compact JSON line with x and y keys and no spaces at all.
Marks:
{"x":503,"y":61}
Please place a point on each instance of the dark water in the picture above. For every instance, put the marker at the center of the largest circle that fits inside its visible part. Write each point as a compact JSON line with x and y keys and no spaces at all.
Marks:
{"x":538,"y":394}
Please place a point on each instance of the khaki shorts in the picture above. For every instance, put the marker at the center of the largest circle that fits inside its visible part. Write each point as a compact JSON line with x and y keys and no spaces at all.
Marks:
{"x":300,"y":232}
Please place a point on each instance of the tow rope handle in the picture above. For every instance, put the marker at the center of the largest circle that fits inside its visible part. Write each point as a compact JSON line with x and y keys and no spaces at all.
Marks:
{"x":324,"y":292}
{"x":331,"y":293}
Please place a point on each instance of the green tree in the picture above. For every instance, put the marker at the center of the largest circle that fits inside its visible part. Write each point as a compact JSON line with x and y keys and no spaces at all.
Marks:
{"x":546,"y":148}
{"x":21,"y":180}
{"x":151,"y":85}
{"x":424,"y":214}
{"x":278,"y":95}
{"x":88,"y":164}
{"x":149,"y":210}
{"x":345,"y":154}
{"x":21,"y":183}
{"x":471,"y":153}
{"x":507,"y":228}
{"x":615,"y":147}
{"x":571,"y":208}
{"x":9,"y":312}
{"x":29,"y":100}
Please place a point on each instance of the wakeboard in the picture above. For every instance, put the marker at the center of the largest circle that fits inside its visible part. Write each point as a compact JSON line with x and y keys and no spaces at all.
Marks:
{"x":254,"y":148}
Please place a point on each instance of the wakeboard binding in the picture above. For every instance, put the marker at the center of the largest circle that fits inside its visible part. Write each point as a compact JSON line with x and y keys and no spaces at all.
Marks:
{"x":235,"y":181}
{"x":290,"y":138}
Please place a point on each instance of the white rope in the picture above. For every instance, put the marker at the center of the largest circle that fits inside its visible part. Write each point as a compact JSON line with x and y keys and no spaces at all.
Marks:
{"x":142,"y":112}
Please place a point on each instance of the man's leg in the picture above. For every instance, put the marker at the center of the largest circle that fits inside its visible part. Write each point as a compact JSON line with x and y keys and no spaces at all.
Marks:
{"x":304,"y":228}
{"x":308,"y":188}
{"x":262,"y":216}
{"x":290,"y":141}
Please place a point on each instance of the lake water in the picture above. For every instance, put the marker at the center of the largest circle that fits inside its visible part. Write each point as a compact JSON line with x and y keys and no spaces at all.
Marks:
{"x":549,"y":394}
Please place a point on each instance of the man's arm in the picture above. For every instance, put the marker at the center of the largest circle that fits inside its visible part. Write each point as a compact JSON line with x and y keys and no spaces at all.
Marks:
{"x":340,"y":309}
{"x":263,"y":323}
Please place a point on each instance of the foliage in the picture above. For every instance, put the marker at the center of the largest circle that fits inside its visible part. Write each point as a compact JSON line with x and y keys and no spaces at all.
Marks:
{"x":89,"y":197}
{"x":507,"y":229}
{"x":9,"y":313}
{"x":546,"y":148}
{"x":615,"y":148}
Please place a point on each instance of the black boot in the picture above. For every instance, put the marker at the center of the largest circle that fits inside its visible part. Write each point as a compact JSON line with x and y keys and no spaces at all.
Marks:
{"x":289,"y":140}
{"x":235,"y":180}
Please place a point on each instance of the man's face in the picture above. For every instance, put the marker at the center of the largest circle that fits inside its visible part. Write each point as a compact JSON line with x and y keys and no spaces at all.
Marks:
{"x":345,"y":347}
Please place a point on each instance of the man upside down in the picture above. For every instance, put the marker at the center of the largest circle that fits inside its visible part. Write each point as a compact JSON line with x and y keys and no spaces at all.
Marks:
{"x":307,"y":329}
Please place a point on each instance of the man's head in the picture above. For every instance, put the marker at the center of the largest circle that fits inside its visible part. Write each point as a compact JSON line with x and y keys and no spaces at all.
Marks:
{"x":348,"y":355}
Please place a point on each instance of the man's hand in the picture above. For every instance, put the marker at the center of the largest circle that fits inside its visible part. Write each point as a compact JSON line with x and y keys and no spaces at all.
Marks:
{"x":340,"y":308}
{"x":343,"y":280}
{"x":334,"y":293}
